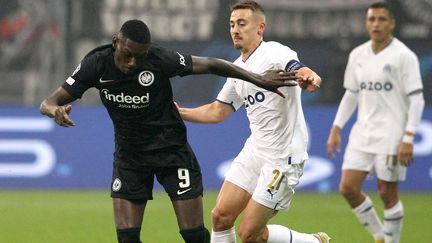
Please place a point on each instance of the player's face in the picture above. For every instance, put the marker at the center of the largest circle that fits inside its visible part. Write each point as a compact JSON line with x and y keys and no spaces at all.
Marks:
{"x":246,"y":29}
{"x":379,"y":24}
{"x":128,"y":54}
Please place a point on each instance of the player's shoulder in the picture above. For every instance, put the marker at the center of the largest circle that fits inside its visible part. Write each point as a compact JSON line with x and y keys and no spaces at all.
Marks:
{"x":157,"y":49}
{"x":360,"y":49}
{"x":276,"y":52}
{"x":100,"y":51}
{"x":401,"y":48}
{"x":275,"y":47}
{"x":160,"y":54}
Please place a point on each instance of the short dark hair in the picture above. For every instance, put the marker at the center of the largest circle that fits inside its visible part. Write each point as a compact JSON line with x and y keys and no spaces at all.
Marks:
{"x":384,"y":5}
{"x":136,"y":30}
{"x":248,"y":4}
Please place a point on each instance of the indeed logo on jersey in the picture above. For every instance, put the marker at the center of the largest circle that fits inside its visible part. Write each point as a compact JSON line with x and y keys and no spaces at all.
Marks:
{"x":376,"y":86}
{"x":252,"y":99}
{"x":127,"y":101}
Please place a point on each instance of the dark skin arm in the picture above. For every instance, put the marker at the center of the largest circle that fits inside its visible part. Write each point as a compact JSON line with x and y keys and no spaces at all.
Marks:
{"x":55,"y":106}
{"x":271,"y":80}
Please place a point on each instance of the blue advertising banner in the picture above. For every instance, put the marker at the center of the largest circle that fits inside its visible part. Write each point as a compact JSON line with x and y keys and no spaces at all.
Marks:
{"x":36,"y":153}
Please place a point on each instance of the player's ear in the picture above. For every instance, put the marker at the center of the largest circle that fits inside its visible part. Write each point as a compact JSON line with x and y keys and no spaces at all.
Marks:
{"x":115,"y":40}
{"x":261,"y":28}
{"x":393,"y":24}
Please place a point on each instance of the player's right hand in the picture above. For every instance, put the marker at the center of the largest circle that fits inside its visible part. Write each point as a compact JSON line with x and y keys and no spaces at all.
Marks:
{"x":334,"y":140}
{"x":273,"y":79}
{"x":61,"y":116}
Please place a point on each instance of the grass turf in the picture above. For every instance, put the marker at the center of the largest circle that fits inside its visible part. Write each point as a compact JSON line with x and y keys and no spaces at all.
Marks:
{"x":86,"y":217}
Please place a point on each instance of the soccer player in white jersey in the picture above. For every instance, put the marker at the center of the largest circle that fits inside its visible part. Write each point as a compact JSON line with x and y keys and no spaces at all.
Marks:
{"x":263,"y":176}
{"x":383,"y":79}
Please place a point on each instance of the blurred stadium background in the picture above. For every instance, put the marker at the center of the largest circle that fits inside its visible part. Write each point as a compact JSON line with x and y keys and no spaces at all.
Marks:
{"x":42,"y":41}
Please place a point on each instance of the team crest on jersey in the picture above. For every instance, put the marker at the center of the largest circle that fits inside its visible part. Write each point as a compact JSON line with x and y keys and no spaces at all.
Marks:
{"x":116,"y":185}
{"x":387,"y":68}
{"x":146,"y":78}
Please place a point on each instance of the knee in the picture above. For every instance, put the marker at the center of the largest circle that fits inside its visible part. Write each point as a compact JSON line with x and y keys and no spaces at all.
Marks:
{"x":348,"y":191}
{"x":249,"y":235}
{"x":222,"y":219}
{"x":389,"y":196}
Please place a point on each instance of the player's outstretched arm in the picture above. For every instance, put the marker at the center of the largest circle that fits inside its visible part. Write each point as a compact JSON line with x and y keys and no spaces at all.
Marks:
{"x":54,"y":106}
{"x":271,"y":80}
{"x":309,"y":80}
{"x":346,"y":108}
{"x":210,"y":113}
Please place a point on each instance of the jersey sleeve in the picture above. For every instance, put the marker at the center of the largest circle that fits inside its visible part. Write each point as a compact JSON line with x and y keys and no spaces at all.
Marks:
{"x":349,"y":76}
{"x":175,"y":63}
{"x":228,"y":94}
{"x":285,"y":58}
{"x":410,"y":73}
{"x":83,"y":77}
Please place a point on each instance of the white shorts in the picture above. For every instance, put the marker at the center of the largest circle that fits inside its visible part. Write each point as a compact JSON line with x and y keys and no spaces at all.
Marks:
{"x":386,"y":167}
{"x":269,"y":184}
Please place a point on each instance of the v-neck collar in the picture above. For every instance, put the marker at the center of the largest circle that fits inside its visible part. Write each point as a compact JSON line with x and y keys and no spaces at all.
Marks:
{"x":382,"y":50}
{"x":252,"y":52}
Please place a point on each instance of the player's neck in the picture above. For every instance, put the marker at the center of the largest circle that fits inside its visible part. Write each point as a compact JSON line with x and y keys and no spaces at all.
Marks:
{"x":378,"y":46}
{"x":246,"y":52}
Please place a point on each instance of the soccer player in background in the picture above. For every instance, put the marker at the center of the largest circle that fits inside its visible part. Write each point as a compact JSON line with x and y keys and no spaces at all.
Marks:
{"x":383,"y":79}
{"x":132,"y":76}
{"x":263,"y":176}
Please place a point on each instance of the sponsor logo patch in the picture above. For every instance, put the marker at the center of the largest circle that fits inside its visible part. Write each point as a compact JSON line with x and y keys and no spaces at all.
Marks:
{"x":182,"y":59}
{"x":179,"y":192}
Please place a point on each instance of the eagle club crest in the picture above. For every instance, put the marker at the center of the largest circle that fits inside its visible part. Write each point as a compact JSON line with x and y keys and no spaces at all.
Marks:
{"x":146,"y":78}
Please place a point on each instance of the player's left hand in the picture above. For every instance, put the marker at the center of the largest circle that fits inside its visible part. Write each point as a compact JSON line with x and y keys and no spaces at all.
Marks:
{"x":308,"y":80}
{"x":273,"y":79}
{"x":405,"y":154}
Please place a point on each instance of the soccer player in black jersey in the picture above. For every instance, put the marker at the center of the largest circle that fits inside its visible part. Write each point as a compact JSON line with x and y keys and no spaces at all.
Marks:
{"x":132,"y":76}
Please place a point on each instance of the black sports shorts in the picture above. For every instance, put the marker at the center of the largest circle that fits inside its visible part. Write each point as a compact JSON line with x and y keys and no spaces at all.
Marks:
{"x":180,"y":182}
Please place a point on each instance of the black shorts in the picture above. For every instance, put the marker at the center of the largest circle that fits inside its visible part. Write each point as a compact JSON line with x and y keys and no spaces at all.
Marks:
{"x":180,"y":182}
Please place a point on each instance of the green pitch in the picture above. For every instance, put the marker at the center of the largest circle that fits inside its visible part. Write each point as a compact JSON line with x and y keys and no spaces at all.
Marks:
{"x":86,"y":217}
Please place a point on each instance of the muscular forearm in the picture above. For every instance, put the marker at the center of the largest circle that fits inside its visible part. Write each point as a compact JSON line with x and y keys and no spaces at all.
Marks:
{"x":224,"y":68}
{"x":210,"y":113}
{"x":200,"y":114}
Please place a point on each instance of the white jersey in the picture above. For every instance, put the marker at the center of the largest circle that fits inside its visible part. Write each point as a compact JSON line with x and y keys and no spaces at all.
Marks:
{"x":383,"y":82}
{"x":278,"y":128}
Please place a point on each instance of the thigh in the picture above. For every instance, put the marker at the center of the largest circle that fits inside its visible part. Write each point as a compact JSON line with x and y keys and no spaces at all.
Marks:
{"x":356,"y":166}
{"x":358,"y":160}
{"x":276,"y":184}
{"x":244,"y":171}
{"x":232,"y":199}
{"x":132,"y":183}
{"x":183,"y":181}
{"x":389,"y":169}
{"x":255,"y":217}
{"x":352,"y":180}
{"x":189,"y":213}
{"x":128,"y":213}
